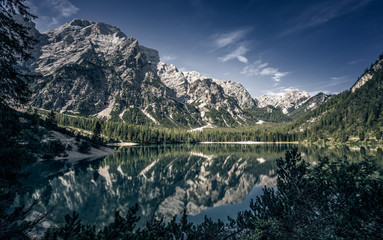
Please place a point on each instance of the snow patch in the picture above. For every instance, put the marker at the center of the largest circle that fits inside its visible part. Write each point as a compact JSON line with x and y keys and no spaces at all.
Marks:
{"x":150,"y":116}
{"x":261,"y":160}
{"x":260,"y":122}
{"x":202,"y":128}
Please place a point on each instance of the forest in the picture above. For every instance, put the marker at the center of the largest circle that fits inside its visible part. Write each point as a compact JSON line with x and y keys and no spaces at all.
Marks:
{"x":331,"y":199}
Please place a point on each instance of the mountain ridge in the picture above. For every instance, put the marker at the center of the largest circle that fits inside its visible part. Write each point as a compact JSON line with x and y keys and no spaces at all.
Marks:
{"x":293,"y":102}
{"x":93,"y":68}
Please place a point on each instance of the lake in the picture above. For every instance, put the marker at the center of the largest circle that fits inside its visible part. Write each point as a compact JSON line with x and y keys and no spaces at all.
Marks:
{"x":216,"y":180}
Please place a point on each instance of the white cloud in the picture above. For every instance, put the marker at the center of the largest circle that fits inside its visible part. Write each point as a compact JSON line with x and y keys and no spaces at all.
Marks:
{"x":278,"y":91}
{"x":238,"y":54}
{"x":183,"y":69}
{"x":51,"y":13}
{"x":233,"y":43}
{"x":335,"y":81}
{"x":64,"y":7}
{"x":226,"y":39}
{"x":46,"y":22}
{"x":168,"y":58}
{"x":278,"y":75}
{"x":260,"y":68}
{"x":263,"y":65}
{"x":338,"y":78}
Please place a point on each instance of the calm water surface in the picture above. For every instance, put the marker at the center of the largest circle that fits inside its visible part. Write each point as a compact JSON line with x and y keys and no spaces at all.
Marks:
{"x":216,"y":180}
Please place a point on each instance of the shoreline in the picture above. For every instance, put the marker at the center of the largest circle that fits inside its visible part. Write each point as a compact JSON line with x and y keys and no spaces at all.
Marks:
{"x":95,"y":153}
{"x":122,"y":144}
{"x":249,"y":142}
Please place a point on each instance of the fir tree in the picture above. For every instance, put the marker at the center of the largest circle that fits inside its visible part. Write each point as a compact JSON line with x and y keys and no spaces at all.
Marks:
{"x":96,"y":136}
{"x":51,"y":121}
{"x":15,"y":46}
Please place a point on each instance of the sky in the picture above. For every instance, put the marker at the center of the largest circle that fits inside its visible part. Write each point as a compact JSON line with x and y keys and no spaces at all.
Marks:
{"x":269,"y":46}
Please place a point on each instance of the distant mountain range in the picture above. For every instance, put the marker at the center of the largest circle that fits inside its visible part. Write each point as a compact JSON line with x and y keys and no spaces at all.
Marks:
{"x":92,"y":68}
{"x":293,"y":103}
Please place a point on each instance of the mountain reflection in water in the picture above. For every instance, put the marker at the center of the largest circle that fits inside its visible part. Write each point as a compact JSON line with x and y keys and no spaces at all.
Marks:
{"x":207,"y":179}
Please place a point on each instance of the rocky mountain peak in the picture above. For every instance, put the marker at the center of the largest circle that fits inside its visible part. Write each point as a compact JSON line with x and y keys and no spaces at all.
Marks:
{"x":92,"y":68}
{"x":287,"y":101}
{"x":180,"y":80}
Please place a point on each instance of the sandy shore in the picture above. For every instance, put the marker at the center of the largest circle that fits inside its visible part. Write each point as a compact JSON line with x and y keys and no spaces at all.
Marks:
{"x":122,"y":144}
{"x":73,"y":155}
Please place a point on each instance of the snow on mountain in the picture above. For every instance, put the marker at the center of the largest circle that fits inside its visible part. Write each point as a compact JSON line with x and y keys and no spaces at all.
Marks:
{"x":293,"y":102}
{"x":93,"y":68}
{"x":288,"y":101}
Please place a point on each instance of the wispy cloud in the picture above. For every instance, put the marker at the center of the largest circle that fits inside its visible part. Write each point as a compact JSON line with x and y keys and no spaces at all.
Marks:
{"x":277,"y":91}
{"x":183,"y":69}
{"x":331,"y":82}
{"x":335,"y":81}
{"x":322,"y":13}
{"x":226,"y":39}
{"x":356,"y":61}
{"x":338,"y":78}
{"x":64,"y":7}
{"x":238,"y":54}
{"x":168,"y":58}
{"x":259,"y":68}
{"x":51,"y":13}
{"x":233,"y":43}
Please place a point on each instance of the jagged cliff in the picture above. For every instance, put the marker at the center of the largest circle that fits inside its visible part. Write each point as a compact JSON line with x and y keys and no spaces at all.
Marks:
{"x":293,"y":103}
{"x":93,"y":68}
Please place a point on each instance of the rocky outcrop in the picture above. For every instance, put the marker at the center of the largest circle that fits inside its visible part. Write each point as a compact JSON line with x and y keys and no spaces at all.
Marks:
{"x":93,"y":68}
{"x":309,"y":105}
{"x":288,"y":101}
{"x":293,"y":103}
{"x":367,"y":75}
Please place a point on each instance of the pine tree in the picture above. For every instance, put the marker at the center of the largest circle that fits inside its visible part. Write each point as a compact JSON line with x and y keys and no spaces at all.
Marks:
{"x":96,"y":137}
{"x":51,"y":121}
{"x":15,"y":46}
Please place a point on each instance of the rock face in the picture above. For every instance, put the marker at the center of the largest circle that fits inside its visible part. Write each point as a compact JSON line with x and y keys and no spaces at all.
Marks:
{"x":368,"y":75}
{"x":309,"y":105}
{"x":288,"y":101}
{"x":293,"y":103}
{"x":93,"y":68}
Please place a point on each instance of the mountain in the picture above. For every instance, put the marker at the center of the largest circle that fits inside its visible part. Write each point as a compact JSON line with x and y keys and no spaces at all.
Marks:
{"x":92,"y":68}
{"x":357,"y":112}
{"x":309,"y":105}
{"x":293,"y":103}
{"x":368,"y":74}
{"x":288,"y":101}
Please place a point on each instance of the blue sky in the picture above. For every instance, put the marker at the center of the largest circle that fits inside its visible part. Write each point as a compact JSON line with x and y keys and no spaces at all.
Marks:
{"x":266,"y":45}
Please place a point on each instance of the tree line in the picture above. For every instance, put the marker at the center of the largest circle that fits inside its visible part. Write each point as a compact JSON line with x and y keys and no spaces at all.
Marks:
{"x":120,"y":131}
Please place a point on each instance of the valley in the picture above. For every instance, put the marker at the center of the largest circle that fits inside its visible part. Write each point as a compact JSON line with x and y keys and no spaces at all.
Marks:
{"x":97,"y":73}
{"x":248,"y":122}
